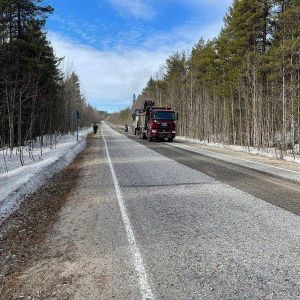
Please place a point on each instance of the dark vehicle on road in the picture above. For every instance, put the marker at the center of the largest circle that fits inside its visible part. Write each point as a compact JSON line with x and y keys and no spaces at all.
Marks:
{"x":157,"y":123}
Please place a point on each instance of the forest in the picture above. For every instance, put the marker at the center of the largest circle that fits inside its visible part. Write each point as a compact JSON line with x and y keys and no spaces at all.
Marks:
{"x":241,"y":88}
{"x":37,"y":99}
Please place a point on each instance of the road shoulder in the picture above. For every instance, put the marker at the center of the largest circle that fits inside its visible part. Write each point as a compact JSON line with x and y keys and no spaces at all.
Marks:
{"x":276,"y":167}
{"x":68,"y":239}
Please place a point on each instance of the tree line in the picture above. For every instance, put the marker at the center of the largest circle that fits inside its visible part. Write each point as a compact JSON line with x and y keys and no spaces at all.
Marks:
{"x":36,"y":98}
{"x":241,"y":88}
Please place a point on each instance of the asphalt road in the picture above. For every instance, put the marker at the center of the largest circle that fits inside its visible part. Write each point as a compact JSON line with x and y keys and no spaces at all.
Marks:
{"x":273,"y":189}
{"x":206,"y":229}
{"x":132,"y":220}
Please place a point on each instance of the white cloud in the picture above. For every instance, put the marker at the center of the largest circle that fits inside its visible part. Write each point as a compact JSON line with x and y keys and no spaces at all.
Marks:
{"x":110,"y":77}
{"x":135,"y":8}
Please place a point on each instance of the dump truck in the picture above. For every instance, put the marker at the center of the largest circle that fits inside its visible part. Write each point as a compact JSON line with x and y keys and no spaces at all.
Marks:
{"x":156,"y":123}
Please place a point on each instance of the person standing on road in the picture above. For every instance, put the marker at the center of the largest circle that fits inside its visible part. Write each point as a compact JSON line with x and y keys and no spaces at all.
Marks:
{"x":95,"y":128}
{"x":126,"y":129}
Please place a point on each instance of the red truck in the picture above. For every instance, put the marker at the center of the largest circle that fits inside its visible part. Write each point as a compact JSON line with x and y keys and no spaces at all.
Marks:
{"x":156,"y":123}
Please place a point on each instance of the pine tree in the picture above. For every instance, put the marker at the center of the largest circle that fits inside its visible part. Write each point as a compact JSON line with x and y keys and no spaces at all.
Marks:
{"x":33,"y":99}
{"x":244,"y":86}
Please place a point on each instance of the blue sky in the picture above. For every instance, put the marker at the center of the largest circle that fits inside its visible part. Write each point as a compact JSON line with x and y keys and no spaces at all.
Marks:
{"x":116,"y":45}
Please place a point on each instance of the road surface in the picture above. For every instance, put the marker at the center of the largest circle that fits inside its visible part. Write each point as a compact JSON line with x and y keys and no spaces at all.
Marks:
{"x":149,"y":221}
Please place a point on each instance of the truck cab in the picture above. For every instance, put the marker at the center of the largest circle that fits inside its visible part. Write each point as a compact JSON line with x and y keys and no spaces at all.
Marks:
{"x":157,"y":123}
{"x":161,"y":124}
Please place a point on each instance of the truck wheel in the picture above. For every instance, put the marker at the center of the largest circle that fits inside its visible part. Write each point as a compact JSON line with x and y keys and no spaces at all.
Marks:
{"x":170,"y":140}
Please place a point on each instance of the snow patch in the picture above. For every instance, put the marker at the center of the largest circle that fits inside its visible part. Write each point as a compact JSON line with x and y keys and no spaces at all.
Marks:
{"x":21,"y":181}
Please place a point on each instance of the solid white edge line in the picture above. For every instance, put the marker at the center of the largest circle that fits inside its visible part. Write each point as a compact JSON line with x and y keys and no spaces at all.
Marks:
{"x":251,"y":161}
{"x":137,"y":258}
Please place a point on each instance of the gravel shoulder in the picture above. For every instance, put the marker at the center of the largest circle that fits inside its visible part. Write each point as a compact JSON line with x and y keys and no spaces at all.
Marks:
{"x":67,"y":241}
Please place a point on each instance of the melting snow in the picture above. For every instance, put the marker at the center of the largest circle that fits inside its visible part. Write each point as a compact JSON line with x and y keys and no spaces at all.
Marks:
{"x":21,"y":181}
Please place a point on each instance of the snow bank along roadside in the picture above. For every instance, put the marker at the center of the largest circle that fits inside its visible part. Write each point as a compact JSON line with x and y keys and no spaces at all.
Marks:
{"x":19,"y":183}
{"x":264,"y":167}
{"x":269,"y":152}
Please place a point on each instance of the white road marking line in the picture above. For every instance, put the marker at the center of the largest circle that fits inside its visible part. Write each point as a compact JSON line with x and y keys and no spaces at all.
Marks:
{"x":138,"y":262}
{"x":236,"y":158}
